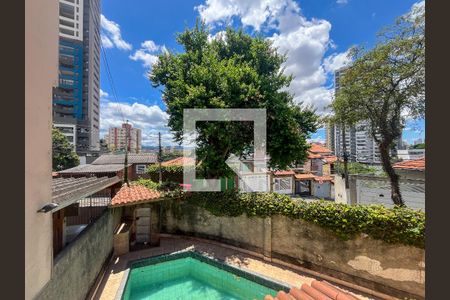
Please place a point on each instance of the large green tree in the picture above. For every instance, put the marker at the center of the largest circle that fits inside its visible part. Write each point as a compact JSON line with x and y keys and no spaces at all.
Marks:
{"x":63,"y":156}
{"x":386,"y":85}
{"x":233,"y":71}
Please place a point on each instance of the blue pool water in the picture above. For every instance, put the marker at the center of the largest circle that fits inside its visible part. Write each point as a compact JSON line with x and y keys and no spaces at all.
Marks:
{"x":191,"y":278}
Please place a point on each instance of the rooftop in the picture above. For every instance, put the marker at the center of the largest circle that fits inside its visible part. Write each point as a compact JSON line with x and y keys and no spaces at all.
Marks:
{"x":284,"y":172}
{"x":414,"y":164}
{"x":179,"y":161}
{"x":65,"y":191}
{"x":90,"y":168}
{"x":134,"y":194}
{"x":133,"y":158}
{"x":317,"y":148}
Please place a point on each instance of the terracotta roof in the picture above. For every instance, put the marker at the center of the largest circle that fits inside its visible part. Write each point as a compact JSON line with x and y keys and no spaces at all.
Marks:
{"x":55,"y":174}
{"x":283,"y":172}
{"x":307,"y":176}
{"x":323,"y":178}
{"x":312,"y":155}
{"x":330,"y":159}
{"x":179,"y":161}
{"x":134,"y":194}
{"x":318,"y":290}
{"x":317,"y":148}
{"x":414,"y":164}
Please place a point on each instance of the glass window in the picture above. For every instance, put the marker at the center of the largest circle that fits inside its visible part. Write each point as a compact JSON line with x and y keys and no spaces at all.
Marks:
{"x":140,"y":169}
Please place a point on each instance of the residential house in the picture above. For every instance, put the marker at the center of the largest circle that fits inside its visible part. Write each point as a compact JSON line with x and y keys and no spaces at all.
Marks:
{"x":411,"y":169}
{"x":139,"y":163}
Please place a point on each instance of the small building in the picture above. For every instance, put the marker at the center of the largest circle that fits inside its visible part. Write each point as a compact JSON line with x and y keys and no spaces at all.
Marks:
{"x":139,"y":163}
{"x":308,"y":184}
{"x":283,"y":182}
{"x":411,"y":169}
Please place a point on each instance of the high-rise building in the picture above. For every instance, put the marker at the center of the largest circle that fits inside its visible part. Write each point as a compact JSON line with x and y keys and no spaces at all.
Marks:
{"x":360,"y":144}
{"x":76,"y":98}
{"x":116,"y":138}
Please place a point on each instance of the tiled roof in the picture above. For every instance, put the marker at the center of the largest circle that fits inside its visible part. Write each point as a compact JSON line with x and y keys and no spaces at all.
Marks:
{"x":330,"y":159}
{"x":312,"y":155}
{"x":317,"y":148}
{"x":179,"y":161}
{"x":133,"y":158}
{"x":65,"y":191}
{"x":93,"y":169}
{"x":284,"y":172}
{"x":318,"y":290}
{"x":415,"y":164}
{"x":55,"y":174}
{"x":307,"y":176}
{"x":134,"y":194}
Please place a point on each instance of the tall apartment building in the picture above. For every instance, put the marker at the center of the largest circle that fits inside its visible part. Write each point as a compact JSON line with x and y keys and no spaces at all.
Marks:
{"x":116,"y":138}
{"x":76,"y":98}
{"x":361,"y":146}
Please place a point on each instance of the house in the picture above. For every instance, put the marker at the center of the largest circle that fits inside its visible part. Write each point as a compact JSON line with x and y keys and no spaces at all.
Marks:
{"x":139,"y":163}
{"x":320,"y":160}
{"x":283,"y":182}
{"x":108,"y":170}
{"x":411,"y":169}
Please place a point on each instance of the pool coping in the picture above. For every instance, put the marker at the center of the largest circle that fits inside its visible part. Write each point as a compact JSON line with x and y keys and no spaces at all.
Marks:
{"x":213,"y":261}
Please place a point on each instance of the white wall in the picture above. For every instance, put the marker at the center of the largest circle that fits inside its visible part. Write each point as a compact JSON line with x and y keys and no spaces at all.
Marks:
{"x":340,"y":193}
{"x":379,"y":192}
{"x":286,"y":191}
{"x":321,"y":190}
{"x":41,"y":74}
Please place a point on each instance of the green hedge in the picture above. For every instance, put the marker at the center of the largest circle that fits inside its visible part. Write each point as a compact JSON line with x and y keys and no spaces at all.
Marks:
{"x":392,"y":225}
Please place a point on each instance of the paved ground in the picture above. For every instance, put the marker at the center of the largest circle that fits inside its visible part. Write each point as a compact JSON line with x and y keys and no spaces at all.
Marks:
{"x":238,"y":257}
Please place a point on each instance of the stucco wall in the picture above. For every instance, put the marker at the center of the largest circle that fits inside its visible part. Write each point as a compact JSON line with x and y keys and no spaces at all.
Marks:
{"x":393,"y":269}
{"x":41,"y":74}
{"x":78,"y":265}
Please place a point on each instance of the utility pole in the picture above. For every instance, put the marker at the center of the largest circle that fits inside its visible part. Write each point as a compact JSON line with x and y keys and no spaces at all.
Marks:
{"x":160,"y":157}
{"x":344,"y":148}
{"x":125,"y":167}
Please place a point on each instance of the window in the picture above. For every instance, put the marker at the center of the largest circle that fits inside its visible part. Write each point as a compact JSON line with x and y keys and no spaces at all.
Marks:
{"x":66,"y":10}
{"x":140,"y":169}
{"x":282,"y":184}
{"x":66,"y":31}
{"x":66,"y":23}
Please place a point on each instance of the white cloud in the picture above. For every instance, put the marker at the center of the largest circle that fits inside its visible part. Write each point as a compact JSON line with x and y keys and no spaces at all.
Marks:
{"x":305,"y":41}
{"x":336,"y":61}
{"x":151,"y":119}
{"x":111,"y":35}
{"x":103,"y":94}
{"x":342,"y":2}
{"x":148,"y":53}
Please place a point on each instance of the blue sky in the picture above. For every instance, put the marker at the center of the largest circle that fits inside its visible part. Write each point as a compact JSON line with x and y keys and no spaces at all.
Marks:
{"x":315,"y":33}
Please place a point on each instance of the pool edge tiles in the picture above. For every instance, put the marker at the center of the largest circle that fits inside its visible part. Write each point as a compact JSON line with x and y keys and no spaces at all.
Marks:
{"x":253,"y":278}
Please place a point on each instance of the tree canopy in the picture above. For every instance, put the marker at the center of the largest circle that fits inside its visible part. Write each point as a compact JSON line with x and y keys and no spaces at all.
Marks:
{"x":386,"y":85}
{"x":63,"y":156}
{"x":233,"y":70}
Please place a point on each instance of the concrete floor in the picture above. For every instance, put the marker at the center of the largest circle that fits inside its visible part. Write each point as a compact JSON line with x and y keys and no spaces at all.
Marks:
{"x":114,"y":274}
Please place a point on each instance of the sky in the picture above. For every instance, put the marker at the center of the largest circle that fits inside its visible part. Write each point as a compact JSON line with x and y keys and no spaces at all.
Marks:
{"x":316,"y":35}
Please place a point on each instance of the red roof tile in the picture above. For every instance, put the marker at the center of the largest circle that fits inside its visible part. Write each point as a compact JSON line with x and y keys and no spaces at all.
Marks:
{"x":330,"y":159}
{"x":307,"y":176}
{"x":55,"y":174}
{"x":317,"y":148}
{"x":179,"y":161}
{"x":414,"y":164}
{"x":318,"y":290}
{"x":284,"y":172}
{"x":134,"y":194}
{"x":323,"y":178}
{"x":312,"y":155}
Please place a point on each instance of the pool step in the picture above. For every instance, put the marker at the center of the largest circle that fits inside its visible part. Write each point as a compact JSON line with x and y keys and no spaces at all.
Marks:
{"x":318,"y":290}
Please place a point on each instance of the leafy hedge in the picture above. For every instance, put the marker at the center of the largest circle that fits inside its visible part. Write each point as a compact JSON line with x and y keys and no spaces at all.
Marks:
{"x":169,"y":173}
{"x":392,"y":225}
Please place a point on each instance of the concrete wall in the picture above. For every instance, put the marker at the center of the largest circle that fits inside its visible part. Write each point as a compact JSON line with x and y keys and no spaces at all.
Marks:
{"x":377,"y":190}
{"x":78,"y":265}
{"x":393,"y":269}
{"x":340,"y":193}
{"x":41,"y":74}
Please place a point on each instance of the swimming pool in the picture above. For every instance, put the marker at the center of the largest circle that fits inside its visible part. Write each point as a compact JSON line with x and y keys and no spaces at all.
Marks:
{"x":190,"y":275}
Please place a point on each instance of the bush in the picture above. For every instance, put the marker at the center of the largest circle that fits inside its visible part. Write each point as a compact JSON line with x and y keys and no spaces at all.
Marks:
{"x":392,"y":225}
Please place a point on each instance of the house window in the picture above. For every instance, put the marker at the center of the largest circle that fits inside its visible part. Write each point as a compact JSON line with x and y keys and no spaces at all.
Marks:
{"x":140,"y":169}
{"x":282,"y":184}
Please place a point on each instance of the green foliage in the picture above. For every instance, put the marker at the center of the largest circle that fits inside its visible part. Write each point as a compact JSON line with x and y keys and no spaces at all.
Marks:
{"x":355,"y":168}
{"x":63,"y":156}
{"x":392,"y":225}
{"x":418,"y":146}
{"x":236,"y":71}
{"x":169,"y":173}
{"x":383,"y":84}
{"x":148,"y":183}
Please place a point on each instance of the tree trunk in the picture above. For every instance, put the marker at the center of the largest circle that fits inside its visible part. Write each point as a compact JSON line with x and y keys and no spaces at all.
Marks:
{"x":393,"y":177}
{"x":344,"y":149}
